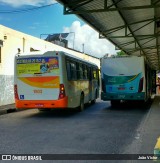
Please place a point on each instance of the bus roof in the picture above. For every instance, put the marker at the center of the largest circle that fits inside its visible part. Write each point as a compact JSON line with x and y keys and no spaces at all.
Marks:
{"x":121,"y":56}
{"x":70,"y":56}
{"x":50,"y":53}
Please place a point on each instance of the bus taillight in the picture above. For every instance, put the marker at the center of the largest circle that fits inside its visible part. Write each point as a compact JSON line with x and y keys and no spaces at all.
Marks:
{"x":140,"y":85}
{"x":62,"y":91}
{"x":16,"y":92}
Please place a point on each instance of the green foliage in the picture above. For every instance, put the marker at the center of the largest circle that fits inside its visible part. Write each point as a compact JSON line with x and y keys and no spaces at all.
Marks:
{"x":120,"y":53}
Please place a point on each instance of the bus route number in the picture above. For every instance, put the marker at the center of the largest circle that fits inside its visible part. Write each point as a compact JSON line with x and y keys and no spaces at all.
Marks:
{"x":37,"y":91}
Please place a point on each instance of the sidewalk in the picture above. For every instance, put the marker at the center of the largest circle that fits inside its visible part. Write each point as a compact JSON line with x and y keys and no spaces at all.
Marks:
{"x":4,"y":109}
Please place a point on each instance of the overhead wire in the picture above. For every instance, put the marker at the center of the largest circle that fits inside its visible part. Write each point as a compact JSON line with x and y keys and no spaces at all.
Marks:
{"x":25,"y":10}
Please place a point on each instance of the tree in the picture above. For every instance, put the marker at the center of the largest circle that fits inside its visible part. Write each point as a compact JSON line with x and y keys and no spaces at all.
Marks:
{"x":120,"y":53}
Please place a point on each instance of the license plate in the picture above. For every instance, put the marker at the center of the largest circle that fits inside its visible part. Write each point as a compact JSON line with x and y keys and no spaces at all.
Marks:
{"x":121,"y":96}
{"x":39,"y":105}
{"x":121,"y":88}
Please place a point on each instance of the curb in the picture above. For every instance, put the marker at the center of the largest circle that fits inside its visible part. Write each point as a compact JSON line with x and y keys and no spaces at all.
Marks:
{"x":7,"y":109}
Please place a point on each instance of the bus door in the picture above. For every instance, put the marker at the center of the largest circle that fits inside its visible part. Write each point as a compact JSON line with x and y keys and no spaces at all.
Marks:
{"x":95,"y":82}
{"x":90,"y":83}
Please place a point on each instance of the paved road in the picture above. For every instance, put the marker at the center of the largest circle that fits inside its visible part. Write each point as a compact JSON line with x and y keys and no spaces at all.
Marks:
{"x":99,"y":129}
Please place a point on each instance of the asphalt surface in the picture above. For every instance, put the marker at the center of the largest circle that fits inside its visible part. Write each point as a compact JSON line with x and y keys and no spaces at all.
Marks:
{"x":99,"y":129}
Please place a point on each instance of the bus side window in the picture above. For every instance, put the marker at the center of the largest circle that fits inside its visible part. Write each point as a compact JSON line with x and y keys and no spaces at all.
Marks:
{"x":73,"y":71}
{"x":94,"y":74}
{"x":80,"y":71}
{"x":90,"y":73}
{"x":68,"y":70}
{"x":85,"y":72}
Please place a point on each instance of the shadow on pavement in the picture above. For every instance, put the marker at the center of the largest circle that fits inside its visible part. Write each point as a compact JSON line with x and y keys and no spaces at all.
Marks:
{"x":132,"y":105}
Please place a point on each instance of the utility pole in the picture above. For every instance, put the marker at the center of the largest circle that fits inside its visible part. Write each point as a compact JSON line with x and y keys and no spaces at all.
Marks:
{"x":83,"y":48}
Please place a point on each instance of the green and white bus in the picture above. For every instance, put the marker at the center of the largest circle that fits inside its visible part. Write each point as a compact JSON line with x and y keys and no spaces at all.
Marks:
{"x":54,"y":79}
{"x":126,"y":78}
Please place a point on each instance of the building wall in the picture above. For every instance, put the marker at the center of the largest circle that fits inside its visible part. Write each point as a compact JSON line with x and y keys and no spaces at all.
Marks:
{"x":12,"y":40}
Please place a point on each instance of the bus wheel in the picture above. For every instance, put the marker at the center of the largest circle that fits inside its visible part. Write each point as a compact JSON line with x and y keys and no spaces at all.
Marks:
{"x":81,"y":106}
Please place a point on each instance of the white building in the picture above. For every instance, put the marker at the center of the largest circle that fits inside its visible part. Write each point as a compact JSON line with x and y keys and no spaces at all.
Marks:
{"x":12,"y":40}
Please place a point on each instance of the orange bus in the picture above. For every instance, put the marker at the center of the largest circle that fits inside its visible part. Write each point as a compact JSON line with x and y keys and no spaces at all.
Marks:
{"x":54,"y":79}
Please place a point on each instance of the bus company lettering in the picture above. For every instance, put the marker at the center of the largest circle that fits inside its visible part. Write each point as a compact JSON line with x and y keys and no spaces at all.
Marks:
{"x":37,"y":91}
{"x":112,"y":80}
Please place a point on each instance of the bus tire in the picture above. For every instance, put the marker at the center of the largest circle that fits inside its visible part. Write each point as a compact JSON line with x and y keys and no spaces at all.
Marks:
{"x":81,"y":106}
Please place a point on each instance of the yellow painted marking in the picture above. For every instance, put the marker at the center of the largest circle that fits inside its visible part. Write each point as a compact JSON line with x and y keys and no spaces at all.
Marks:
{"x":157,"y":148}
{"x":158,"y":143}
{"x":133,"y":78}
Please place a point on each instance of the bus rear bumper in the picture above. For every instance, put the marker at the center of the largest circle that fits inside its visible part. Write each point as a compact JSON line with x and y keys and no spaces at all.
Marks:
{"x":28,"y":104}
{"x":121,"y":96}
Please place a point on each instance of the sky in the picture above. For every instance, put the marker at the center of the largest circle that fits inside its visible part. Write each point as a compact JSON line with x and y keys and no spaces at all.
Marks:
{"x":46,"y":17}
